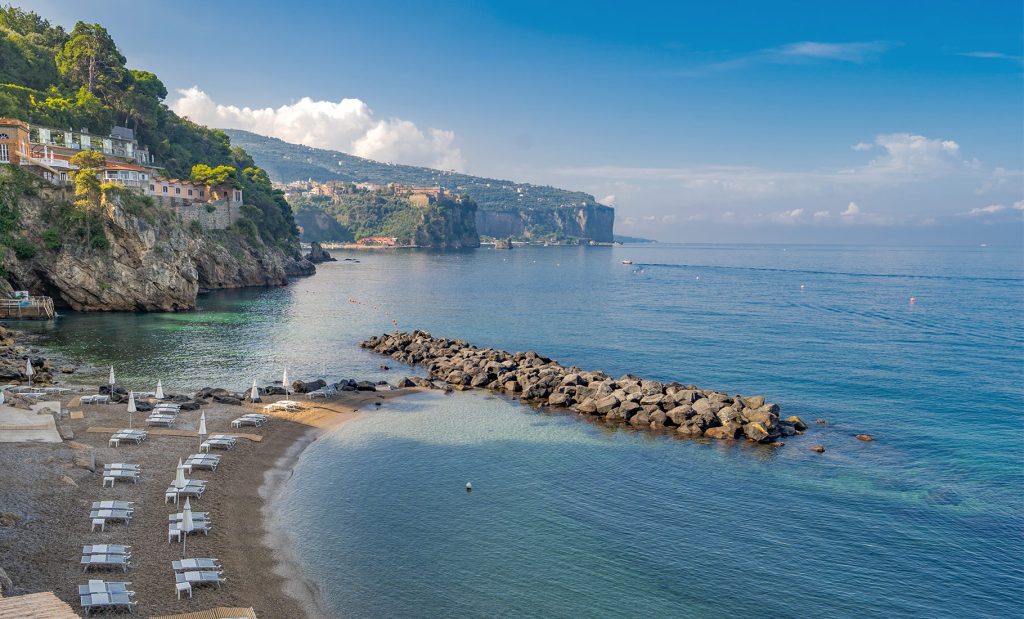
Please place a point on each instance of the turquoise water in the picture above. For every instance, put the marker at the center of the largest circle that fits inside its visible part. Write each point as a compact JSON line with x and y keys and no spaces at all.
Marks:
{"x":572,"y":519}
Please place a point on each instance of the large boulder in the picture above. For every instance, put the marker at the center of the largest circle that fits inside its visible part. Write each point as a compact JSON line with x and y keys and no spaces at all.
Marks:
{"x":606,"y":404}
{"x":306,"y":387}
{"x":726,"y":432}
{"x":680,"y":414}
{"x":756,"y":432}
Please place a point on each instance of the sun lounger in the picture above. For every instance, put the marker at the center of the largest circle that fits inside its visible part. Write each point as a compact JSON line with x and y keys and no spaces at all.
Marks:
{"x":113,"y":504}
{"x":195,"y":564}
{"x":194,"y":488}
{"x":200,"y":577}
{"x":218,"y":441}
{"x":105,"y":600}
{"x":95,"y":399}
{"x":175,"y":530}
{"x":283,"y":405}
{"x":132,"y":436}
{"x":120,"y":466}
{"x":111,"y":515}
{"x":203,"y":461}
{"x":91,"y":560}
{"x":106,"y":549}
{"x":113,"y":475}
{"x":196,"y":517}
{"x":247,"y":421}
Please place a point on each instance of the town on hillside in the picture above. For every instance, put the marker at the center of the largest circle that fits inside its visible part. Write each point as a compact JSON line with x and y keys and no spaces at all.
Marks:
{"x":48,"y":153}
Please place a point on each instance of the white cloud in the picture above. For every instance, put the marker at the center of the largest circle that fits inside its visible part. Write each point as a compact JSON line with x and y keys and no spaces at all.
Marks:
{"x":862,"y":146}
{"x":852,"y":210}
{"x":994,"y":56}
{"x":822,"y":216}
{"x":348,"y":125}
{"x":846,"y":52}
{"x":915,"y":155}
{"x":991,"y":209}
{"x":1019,"y":205}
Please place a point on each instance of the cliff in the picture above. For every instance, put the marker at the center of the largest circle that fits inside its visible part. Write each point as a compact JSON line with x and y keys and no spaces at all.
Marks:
{"x":559,"y":212}
{"x":132,"y":257}
{"x":593,"y":222}
{"x":449,"y":225}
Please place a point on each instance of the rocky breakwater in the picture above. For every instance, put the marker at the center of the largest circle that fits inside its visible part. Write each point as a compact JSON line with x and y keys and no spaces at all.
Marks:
{"x":671,"y":407}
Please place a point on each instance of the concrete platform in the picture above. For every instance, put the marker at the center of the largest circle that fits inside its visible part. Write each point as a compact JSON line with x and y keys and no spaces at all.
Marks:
{"x":22,"y":426}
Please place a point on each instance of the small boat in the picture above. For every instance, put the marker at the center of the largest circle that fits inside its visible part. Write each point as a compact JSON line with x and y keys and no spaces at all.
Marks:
{"x":627,"y":261}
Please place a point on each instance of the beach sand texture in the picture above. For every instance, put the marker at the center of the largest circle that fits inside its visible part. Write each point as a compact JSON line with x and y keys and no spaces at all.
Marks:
{"x":45,"y":499}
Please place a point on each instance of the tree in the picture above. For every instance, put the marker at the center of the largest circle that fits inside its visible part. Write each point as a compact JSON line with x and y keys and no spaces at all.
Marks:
{"x":221,"y":175}
{"x":87,"y":181}
{"x":91,"y":59}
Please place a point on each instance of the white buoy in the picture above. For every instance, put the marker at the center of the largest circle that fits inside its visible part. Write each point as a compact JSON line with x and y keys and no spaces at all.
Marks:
{"x":469,"y":487}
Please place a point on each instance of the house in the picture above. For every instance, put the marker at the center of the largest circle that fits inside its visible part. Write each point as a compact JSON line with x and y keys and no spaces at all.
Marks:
{"x":378,"y":241}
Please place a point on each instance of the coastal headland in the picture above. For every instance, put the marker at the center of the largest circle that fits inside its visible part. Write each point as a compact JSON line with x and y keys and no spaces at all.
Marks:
{"x":684,"y":410}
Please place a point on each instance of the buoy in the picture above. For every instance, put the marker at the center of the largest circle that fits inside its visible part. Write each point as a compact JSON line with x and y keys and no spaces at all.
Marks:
{"x":913,"y":300}
{"x":801,"y":286}
{"x":469,"y":487}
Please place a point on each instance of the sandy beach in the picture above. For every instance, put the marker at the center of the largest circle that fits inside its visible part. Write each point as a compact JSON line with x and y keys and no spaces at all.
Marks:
{"x":47,"y":491}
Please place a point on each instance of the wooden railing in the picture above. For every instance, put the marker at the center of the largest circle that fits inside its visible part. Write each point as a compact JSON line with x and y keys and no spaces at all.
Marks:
{"x":32,"y":308}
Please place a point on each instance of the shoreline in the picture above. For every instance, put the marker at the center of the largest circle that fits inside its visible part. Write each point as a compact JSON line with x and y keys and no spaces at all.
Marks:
{"x":45,"y":504}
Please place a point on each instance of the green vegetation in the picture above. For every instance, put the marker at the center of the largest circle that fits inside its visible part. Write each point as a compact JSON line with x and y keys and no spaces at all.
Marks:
{"x":79,"y":79}
{"x":355,"y":213}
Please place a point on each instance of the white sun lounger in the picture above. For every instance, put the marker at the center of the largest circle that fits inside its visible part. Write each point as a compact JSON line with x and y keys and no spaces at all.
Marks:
{"x":195,"y":564}
{"x":203,"y":577}
{"x":203,"y":461}
{"x":118,"y":560}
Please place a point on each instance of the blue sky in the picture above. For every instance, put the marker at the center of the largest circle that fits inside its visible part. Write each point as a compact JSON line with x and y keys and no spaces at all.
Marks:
{"x":790,"y":121}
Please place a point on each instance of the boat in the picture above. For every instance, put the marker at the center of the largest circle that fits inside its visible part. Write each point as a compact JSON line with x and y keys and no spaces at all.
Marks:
{"x":627,"y":261}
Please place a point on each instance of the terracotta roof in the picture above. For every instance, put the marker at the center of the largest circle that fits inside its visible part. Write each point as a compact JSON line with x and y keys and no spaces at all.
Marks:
{"x":117,"y":165}
{"x":215,"y":613}
{"x":36,"y":606}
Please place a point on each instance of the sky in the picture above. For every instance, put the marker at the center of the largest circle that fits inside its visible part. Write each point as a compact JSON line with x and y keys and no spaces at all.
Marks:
{"x":838,"y":122}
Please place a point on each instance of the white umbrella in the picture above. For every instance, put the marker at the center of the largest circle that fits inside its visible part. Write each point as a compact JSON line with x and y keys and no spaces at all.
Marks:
{"x":159,"y":389}
{"x":255,"y":394}
{"x":179,"y":476}
{"x":2,"y":398}
{"x":111,"y":381}
{"x":131,"y":407}
{"x":202,"y":425}
{"x":284,"y":381}
{"x":28,"y":370}
{"x":186,"y":516}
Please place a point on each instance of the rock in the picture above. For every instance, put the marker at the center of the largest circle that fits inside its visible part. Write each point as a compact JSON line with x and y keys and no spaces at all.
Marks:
{"x":512,"y":386}
{"x":754,"y":401}
{"x":821,"y":422}
{"x":6,"y":586}
{"x":756,"y":432}
{"x":191,"y":405}
{"x":606,"y":404}
{"x":659,"y":419}
{"x":405,"y":383}
{"x":305,"y":387}
{"x":797,"y":423}
{"x":639,"y":419}
{"x":680,"y":414}
{"x":818,"y":449}
{"x":588,"y":406}
{"x":631,"y":409}
{"x":867,"y":438}
{"x":481,"y":380}
{"x":68,"y":369}
{"x":726,"y":432}
{"x":318,"y":255}
{"x":227,"y":399}
{"x":558,"y":399}
{"x":690,"y":428}
{"x":365,"y":385}
{"x":9,"y":519}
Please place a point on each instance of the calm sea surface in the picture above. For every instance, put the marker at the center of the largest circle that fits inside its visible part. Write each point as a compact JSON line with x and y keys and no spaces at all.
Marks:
{"x":570,"y":519}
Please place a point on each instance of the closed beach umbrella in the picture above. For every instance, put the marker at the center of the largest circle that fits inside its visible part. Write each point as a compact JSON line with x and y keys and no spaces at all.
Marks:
{"x":159,"y":389}
{"x":284,"y":380}
{"x":28,"y":370}
{"x":255,"y":394}
{"x":179,"y":476}
{"x":111,"y":381}
{"x":186,"y":517}
{"x":202,"y":425}
{"x":2,"y":397}
{"x":131,"y":402}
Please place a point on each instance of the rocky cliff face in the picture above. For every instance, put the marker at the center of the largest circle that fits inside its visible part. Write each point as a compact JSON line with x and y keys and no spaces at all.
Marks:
{"x":593,"y":222}
{"x":451,"y":225}
{"x":152,"y":263}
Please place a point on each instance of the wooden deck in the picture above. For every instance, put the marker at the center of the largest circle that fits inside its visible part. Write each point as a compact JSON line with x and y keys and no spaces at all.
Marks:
{"x":32,"y":308}
{"x":215,"y":613}
{"x":38,"y":606}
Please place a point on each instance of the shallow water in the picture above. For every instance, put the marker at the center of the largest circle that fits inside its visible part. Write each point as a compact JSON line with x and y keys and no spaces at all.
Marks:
{"x":568,"y":518}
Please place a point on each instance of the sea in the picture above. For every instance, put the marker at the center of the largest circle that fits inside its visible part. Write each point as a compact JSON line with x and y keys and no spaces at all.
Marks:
{"x":921,"y":347}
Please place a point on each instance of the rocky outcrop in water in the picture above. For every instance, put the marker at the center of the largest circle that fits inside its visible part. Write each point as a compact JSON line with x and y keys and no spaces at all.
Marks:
{"x":318,"y":254}
{"x":684,"y":410}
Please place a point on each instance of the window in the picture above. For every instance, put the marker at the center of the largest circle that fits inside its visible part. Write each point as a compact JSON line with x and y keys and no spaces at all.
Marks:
{"x":152,"y":188}
{"x":177,"y":191}
{"x":165,"y":189}
{"x":4,"y":136}
{"x":202,"y":193}
{"x":190,"y":193}
{"x":3,"y":153}
{"x":238,"y":196}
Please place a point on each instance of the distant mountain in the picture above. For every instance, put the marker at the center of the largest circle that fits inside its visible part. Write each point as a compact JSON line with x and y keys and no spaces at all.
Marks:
{"x":621,"y":238}
{"x":506,"y":208}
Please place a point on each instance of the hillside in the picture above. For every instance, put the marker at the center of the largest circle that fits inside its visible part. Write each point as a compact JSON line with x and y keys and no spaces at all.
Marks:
{"x":505,"y":208}
{"x":349,"y":213}
{"x":50,"y":78}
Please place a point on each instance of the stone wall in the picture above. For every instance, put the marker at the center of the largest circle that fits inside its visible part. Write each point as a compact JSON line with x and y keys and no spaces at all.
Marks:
{"x":212,"y":216}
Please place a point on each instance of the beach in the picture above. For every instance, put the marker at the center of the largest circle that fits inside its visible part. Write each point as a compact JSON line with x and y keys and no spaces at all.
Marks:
{"x":47,"y":492}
